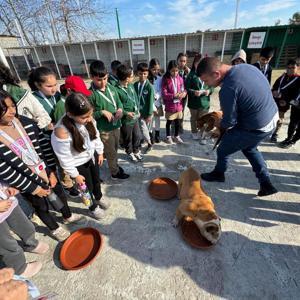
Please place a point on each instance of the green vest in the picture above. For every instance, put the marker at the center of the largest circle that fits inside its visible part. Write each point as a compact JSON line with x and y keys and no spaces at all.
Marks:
{"x":130,"y":103}
{"x":59,"y":109}
{"x":16,"y":92}
{"x":145,"y":97}
{"x":107,"y":100}
{"x":48,"y":103}
{"x":113,"y":80}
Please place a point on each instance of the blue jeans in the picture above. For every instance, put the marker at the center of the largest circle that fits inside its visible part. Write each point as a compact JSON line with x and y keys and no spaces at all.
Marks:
{"x":237,"y":139}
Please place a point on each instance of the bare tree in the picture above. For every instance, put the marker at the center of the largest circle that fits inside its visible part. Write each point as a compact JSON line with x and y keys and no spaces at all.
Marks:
{"x":295,"y":19}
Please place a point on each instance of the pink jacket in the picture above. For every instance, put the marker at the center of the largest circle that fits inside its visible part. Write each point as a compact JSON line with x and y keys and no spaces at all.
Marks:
{"x":168,"y":94}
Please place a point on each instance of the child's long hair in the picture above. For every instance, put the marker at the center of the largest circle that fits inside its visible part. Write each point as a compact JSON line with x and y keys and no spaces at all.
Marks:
{"x":197,"y":58}
{"x":6,"y":76}
{"x":77,"y":105}
{"x":153,"y":62}
{"x":38,"y":75}
{"x":3,"y":107}
{"x":172,"y":64}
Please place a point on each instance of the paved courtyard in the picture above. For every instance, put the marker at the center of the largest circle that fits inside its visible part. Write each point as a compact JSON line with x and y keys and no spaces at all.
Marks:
{"x":144,"y":257}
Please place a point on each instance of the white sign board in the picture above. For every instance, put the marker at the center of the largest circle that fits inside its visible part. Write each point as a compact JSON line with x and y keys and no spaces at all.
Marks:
{"x":256,"y":39}
{"x":138,"y":47}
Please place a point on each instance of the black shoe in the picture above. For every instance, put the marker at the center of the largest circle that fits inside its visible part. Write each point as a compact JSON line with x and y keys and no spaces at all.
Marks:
{"x":286,"y":144}
{"x":213,"y":176}
{"x":274,"y":138}
{"x":149,"y":148}
{"x":119,"y":176}
{"x":121,"y":170}
{"x":73,"y":192}
{"x":266,"y":188}
{"x":157,"y":137}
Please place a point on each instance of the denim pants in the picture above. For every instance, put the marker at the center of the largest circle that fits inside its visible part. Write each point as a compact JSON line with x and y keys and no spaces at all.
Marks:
{"x":247,"y":141}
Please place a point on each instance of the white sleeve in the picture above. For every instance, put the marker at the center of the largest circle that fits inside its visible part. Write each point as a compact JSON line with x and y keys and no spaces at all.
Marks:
{"x":62,"y":149}
{"x":30,"y":107}
{"x":98,"y":143}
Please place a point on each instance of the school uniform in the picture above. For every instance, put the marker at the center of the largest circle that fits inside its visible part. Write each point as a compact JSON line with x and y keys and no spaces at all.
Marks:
{"x":28,"y":105}
{"x":198,"y":105}
{"x":288,"y":89}
{"x":183,"y":73}
{"x":157,"y":80}
{"x":113,"y":80}
{"x":59,"y":109}
{"x":109,"y":131}
{"x":48,"y":102}
{"x":145,"y":94}
{"x":266,"y":70}
{"x":130,"y":127}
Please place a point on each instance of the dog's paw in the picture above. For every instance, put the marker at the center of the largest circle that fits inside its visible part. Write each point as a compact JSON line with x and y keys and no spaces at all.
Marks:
{"x":175,"y":222}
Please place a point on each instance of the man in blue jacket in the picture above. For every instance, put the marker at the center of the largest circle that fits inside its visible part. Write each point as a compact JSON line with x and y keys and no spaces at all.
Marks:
{"x":249,"y":116}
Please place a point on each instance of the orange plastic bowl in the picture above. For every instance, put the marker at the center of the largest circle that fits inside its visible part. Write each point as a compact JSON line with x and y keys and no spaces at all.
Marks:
{"x":191,"y":234}
{"x":81,"y":248}
{"x":162,"y":188}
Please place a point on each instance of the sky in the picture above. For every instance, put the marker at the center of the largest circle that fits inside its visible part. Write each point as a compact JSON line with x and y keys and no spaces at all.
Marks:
{"x":157,"y":17}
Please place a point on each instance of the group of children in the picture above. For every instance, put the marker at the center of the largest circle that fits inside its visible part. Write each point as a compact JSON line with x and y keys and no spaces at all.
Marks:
{"x":84,"y":127}
{"x":285,"y":90}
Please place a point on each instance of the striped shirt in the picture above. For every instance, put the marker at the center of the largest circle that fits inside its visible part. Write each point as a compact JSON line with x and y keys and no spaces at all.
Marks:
{"x":12,"y":169}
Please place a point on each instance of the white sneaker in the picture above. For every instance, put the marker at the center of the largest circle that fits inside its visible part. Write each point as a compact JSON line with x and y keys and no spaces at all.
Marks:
{"x":139,"y":156}
{"x":98,"y":213}
{"x":203,"y":141}
{"x":132,"y":157}
{"x":169,"y":140}
{"x":75,"y":218}
{"x":195,"y":136}
{"x":104,"y":203}
{"x":178,"y":140}
{"x":60,"y":234}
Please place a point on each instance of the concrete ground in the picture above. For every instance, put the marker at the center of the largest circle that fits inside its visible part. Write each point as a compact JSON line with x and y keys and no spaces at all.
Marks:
{"x":144,"y":257}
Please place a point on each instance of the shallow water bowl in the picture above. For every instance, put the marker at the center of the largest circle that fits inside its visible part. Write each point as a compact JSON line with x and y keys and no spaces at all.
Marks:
{"x":192,"y":235}
{"x":81,"y":248}
{"x":163,"y":188}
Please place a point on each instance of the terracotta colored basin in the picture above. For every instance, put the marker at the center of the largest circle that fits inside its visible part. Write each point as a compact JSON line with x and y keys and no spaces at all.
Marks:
{"x":163,"y":188}
{"x":81,"y":248}
{"x":192,"y":235}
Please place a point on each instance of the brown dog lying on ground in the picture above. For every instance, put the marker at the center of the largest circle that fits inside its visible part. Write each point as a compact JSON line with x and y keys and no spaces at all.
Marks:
{"x":195,"y":204}
{"x":209,"y":124}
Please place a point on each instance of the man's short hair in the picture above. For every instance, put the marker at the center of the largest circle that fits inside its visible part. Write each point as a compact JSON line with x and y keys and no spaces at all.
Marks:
{"x":97,"y":69}
{"x":267,"y":52}
{"x":208,"y":65}
{"x":123,"y":72}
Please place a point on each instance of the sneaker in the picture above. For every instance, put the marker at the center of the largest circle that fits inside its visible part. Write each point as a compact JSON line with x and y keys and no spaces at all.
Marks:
{"x":203,"y":142}
{"x":104,"y":203}
{"x":266,"y":188}
{"x":72,"y":192}
{"x":149,"y":148}
{"x":119,"y":175}
{"x":60,"y":234}
{"x":98,"y":213}
{"x":139,"y":156}
{"x":274,"y":138}
{"x":41,"y":248}
{"x":213,"y":176}
{"x":178,"y":140}
{"x":286,"y":144}
{"x":169,"y":140}
{"x":32,"y":269}
{"x":121,"y":170}
{"x":195,"y":136}
{"x":74,"y":219}
{"x":132,"y":157}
